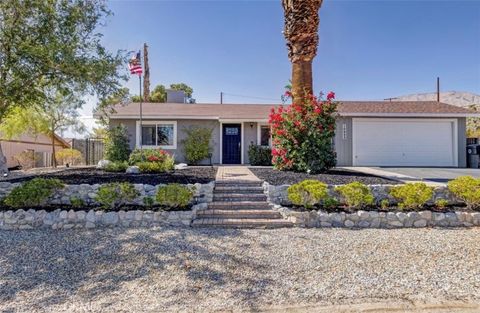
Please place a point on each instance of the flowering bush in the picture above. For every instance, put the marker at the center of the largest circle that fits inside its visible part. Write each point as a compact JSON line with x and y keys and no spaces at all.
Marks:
{"x":148,"y":155}
{"x":302,"y":135}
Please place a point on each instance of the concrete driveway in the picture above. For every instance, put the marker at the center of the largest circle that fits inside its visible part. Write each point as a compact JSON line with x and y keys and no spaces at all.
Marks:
{"x":431,"y":175}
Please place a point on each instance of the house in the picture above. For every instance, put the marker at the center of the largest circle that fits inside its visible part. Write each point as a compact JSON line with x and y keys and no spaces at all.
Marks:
{"x":39,"y":145}
{"x":368,"y":133}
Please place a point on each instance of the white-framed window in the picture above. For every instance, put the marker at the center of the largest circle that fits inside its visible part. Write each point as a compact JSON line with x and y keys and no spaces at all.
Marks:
{"x":264,"y":137}
{"x":157,"y":134}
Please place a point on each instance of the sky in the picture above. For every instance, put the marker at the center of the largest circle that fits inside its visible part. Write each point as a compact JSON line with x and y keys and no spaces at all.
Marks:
{"x":368,"y":50}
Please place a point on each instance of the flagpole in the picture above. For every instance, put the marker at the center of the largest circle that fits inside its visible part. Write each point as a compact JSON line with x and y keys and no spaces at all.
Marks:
{"x":141,"y":115}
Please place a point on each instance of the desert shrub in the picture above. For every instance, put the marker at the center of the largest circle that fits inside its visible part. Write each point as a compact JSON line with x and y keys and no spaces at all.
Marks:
{"x":197,"y":144}
{"x":467,"y":189}
{"x":356,"y":194}
{"x":69,"y":156}
{"x":260,"y":155}
{"x":307,"y":193}
{"x":117,"y":166}
{"x":330,"y":203}
{"x":441,"y":203}
{"x":117,"y":148}
{"x":385,"y":204}
{"x":412,"y":196}
{"x":302,"y":135}
{"x":77,"y":202}
{"x":114,"y":195}
{"x":26,"y":159}
{"x":174,"y":196}
{"x":148,"y":201}
{"x":151,"y":167}
{"x":33,"y":192}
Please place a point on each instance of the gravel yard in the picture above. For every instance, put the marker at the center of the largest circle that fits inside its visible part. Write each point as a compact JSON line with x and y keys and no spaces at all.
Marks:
{"x":175,"y":269}
{"x":334,"y":177}
{"x":90,"y":175}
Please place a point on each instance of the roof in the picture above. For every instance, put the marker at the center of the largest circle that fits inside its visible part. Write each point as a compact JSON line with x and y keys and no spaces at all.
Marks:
{"x":261,"y":111}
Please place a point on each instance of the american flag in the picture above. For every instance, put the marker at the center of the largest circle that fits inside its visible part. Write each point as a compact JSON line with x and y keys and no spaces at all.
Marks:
{"x":135,"y":64}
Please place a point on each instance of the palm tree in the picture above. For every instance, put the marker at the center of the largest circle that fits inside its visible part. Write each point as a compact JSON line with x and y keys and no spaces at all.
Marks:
{"x":301,"y":34}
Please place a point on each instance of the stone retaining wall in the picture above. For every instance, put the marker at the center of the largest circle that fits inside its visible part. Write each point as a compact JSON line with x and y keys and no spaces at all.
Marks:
{"x":279,"y":195}
{"x":87,"y":193}
{"x":375,"y":219}
{"x":67,"y":219}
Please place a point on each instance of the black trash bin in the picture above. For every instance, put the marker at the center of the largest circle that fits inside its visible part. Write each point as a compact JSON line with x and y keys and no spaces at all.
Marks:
{"x":473,"y":156}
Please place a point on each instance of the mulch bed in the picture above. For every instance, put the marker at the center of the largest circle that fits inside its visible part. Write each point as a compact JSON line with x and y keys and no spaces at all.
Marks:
{"x":332,"y":177}
{"x":76,"y":176}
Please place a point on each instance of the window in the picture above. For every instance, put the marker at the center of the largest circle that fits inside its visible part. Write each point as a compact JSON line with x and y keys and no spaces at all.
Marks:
{"x":231,"y":131}
{"x":263,"y":135}
{"x":158,"y":134}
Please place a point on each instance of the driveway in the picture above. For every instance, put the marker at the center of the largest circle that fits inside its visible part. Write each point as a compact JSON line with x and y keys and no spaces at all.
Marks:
{"x":434,"y":175}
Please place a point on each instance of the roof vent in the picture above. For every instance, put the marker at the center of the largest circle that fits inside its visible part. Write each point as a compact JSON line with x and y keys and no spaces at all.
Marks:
{"x":175,"y":96}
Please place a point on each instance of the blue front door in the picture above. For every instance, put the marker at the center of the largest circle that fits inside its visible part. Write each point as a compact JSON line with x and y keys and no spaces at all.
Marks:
{"x":231,"y":136}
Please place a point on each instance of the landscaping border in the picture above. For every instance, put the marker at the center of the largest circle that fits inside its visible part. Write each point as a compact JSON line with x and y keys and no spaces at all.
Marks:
{"x":93,"y":218}
{"x":278,"y":197}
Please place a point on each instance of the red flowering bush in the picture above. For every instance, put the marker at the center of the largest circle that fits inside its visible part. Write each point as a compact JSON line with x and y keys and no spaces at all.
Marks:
{"x":302,"y":135}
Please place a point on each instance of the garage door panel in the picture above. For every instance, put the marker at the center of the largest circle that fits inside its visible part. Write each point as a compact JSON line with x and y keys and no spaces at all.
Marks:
{"x":398,"y":142}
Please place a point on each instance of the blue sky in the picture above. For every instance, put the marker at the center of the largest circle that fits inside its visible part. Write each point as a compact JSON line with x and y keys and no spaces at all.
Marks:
{"x":369,"y":50}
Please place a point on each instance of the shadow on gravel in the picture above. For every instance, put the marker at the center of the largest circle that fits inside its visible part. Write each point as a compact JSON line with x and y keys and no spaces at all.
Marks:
{"x":55,"y":266}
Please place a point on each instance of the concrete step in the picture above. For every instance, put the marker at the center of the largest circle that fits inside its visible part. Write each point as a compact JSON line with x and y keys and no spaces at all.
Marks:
{"x":238,"y":197}
{"x":240,"y":205}
{"x":241,"y":223}
{"x":245,"y":214}
{"x":238,"y":189}
{"x":236,"y":183}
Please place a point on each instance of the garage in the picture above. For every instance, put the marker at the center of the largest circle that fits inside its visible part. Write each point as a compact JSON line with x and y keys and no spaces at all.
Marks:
{"x":404,"y":142}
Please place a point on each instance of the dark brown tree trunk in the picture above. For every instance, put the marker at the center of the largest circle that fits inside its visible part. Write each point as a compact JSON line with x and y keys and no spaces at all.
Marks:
{"x":302,"y":84}
{"x":146,"y":75}
{"x":54,"y":160}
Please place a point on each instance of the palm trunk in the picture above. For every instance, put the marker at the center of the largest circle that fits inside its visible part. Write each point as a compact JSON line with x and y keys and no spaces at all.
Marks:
{"x":302,"y":84}
{"x":54,"y":160}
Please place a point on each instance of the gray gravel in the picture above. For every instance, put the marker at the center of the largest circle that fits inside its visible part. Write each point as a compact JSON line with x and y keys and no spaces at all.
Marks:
{"x":174,"y":269}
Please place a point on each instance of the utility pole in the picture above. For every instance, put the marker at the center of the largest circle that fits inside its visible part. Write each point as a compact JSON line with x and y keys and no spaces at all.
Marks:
{"x":146,"y":75}
{"x":438,"y":89}
{"x":221,"y":97}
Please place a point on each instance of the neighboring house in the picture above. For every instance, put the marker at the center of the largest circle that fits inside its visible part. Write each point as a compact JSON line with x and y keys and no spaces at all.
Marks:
{"x":368,"y":133}
{"x":40,"y":145}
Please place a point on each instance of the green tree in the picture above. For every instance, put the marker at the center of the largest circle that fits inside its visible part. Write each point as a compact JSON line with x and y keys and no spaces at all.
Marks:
{"x":54,"y":44}
{"x":159,"y":93}
{"x":117,"y":148}
{"x":58,"y":113}
{"x":183,"y":87}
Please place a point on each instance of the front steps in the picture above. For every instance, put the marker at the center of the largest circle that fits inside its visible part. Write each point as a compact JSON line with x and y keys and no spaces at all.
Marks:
{"x":239,"y":204}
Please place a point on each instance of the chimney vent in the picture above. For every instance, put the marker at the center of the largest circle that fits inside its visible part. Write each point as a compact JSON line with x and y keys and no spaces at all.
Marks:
{"x":175,"y":96}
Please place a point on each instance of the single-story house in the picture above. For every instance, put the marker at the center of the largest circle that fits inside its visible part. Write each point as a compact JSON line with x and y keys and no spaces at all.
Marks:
{"x":368,"y":133}
{"x":39,"y":145}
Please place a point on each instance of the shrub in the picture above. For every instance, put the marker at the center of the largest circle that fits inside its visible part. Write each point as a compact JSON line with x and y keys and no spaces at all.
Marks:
{"x":260,"y":155}
{"x":117,"y":148}
{"x":26,"y":159}
{"x":147,"y":155}
{"x":467,"y":189}
{"x":197,"y":144}
{"x":148,"y":201}
{"x":307,"y":193}
{"x":69,"y":156}
{"x":441,"y":203}
{"x":330,"y":203}
{"x":356,"y":194}
{"x":302,"y":135}
{"x":385,"y":204}
{"x":114,"y":195}
{"x":33,"y":192}
{"x":413,"y":196}
{"x":151,"y":167}
{"x":174,"y":196}
{"x":77,"y":202}
{"x":116,"y":166}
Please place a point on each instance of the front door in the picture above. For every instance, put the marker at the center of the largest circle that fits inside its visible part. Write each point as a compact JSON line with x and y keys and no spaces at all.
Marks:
{"x":231,"y":136}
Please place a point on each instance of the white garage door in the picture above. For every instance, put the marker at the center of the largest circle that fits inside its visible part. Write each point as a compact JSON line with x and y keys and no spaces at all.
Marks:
{"x":401,"y":142}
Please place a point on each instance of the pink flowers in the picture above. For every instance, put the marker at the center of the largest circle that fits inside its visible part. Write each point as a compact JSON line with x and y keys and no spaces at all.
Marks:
{"x":330,"y":96}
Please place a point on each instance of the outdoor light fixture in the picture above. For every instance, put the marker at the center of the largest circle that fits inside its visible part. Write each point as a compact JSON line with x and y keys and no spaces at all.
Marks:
{"x":251,"y":125}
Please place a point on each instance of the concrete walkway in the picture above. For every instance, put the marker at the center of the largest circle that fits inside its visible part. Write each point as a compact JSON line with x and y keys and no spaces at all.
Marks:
{"x":235,"y":173}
